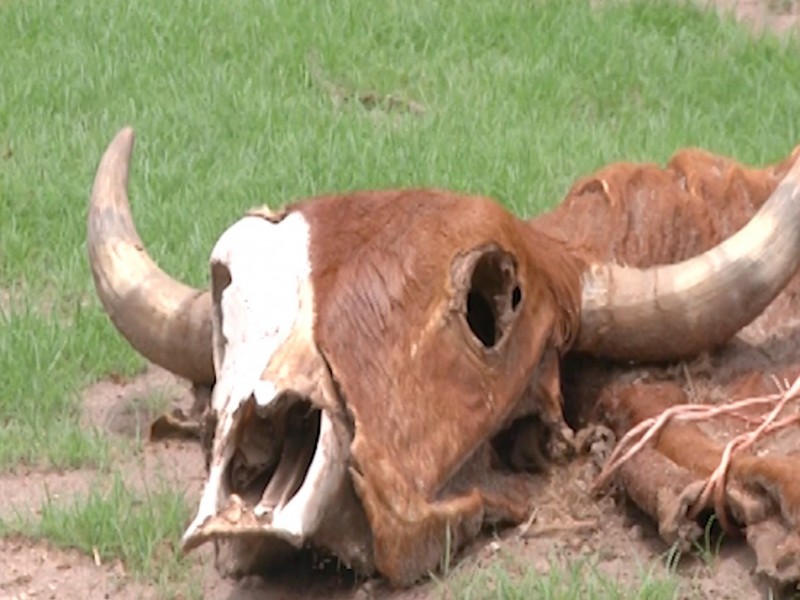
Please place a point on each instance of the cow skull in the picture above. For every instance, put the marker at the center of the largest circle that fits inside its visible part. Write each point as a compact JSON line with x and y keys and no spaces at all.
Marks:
{"x":368,"y":349}
{"x":307,"y":384}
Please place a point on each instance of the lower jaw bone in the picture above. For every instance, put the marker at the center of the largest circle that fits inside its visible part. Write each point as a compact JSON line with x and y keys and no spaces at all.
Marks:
{"x":302,"y":491}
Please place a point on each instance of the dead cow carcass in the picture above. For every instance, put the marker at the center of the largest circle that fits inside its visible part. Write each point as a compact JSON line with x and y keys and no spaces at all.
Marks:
{"x":387,"y":365}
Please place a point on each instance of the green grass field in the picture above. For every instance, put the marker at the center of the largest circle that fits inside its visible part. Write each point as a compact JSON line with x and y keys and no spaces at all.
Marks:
{"x":240,"y":103}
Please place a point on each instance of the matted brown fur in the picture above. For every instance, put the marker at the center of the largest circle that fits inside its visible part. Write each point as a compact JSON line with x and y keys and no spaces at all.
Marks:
{"x":643,"y":214}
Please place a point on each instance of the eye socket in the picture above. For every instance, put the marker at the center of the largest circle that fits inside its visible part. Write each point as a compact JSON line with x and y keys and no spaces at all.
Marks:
{"x":480,"y":318}
{"x":516,"y":297}
{"x":492,"y":295}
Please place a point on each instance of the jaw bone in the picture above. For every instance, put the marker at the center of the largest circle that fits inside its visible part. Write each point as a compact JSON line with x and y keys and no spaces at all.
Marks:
{"x":281,"y":444}
{"x":294,"y":500}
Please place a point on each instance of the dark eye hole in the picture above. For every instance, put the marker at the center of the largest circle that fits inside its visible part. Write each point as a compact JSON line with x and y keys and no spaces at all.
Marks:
{"x":492,"y":297}
{"x":516,"y":297}
{"x":480,"y":318}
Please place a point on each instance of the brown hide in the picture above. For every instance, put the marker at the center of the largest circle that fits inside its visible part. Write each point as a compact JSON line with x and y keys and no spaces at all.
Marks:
{"x":423,"y":391}
{"x":643,"y":215}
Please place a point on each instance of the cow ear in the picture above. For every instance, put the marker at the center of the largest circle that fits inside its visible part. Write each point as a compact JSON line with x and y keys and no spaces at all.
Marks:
{"x":488,"y":294}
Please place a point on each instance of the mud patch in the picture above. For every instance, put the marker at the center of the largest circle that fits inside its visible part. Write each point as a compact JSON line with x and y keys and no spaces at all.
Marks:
{"x":614,"y":538}
{"x":127,"y":406}
{"x":37,"y":570}
{"x":25,"y":491}
{"x":622,"y":544}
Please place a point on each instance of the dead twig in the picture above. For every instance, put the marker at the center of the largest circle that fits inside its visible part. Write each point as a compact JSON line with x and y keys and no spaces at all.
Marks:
{"x":573,"y":525}
{"x":689,"y":381}
{"x":562,"y":522}
{"x":523,"y":529}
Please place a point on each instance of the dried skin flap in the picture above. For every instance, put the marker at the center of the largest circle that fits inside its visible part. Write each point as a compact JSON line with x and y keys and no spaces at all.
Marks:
{"x":425,"y":386}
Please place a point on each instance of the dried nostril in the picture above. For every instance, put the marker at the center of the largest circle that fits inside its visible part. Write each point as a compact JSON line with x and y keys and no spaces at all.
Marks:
{"x":298,"y":450}
{"x":257,"y":454}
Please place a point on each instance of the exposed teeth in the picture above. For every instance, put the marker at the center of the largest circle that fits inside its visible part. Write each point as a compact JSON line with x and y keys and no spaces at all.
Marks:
{"x":298,"y":448}
{"x":302,"y":515}
{"x":310,"y":473}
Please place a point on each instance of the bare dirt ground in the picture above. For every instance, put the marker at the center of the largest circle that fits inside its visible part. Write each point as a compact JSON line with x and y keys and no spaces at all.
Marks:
{"x":569,"y":524}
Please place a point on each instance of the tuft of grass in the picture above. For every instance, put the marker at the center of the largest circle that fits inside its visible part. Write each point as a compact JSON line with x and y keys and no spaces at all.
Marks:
{"x":574,"y":580}
{"x":114,"y":522}
{"x":238,"y":104}
{"x":45,"y":362}
{"x":709,"y":546}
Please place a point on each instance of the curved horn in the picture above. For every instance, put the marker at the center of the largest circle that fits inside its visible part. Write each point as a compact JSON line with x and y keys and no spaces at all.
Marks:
{"x":676,"y":311}
{"x":164,"y":320}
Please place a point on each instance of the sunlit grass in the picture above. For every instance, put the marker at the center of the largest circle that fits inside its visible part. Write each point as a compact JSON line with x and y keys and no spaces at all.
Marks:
{"x":237,"y":104}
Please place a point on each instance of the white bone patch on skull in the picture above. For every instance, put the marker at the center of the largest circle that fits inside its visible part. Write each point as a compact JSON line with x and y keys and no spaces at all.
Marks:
{"x":278,"y":458}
